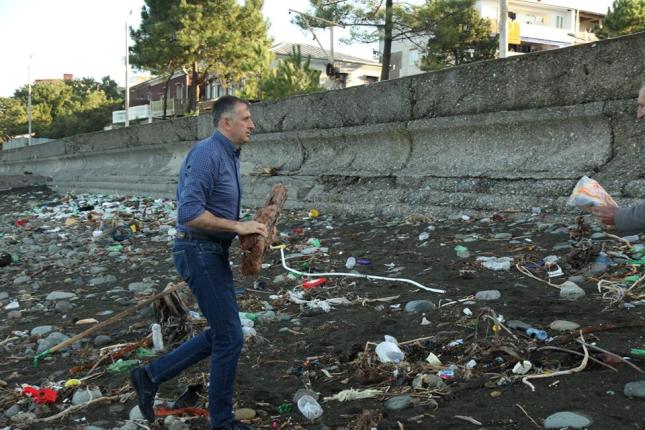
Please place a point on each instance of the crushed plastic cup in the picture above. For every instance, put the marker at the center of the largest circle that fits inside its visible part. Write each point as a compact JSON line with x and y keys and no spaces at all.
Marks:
{"x":522,"y":367}
{"x":309,"y":407}
{"x":350,"y":263}
{"x":424,"y":236}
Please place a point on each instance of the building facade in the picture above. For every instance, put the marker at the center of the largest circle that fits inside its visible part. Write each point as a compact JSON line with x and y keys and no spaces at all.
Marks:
{"x":541,"y":25}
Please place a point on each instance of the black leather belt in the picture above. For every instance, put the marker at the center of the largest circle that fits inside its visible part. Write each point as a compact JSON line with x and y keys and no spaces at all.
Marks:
{"x":190,"y":235}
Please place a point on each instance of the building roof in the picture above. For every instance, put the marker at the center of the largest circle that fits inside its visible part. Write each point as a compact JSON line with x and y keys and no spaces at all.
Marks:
{"x":285,"y":48}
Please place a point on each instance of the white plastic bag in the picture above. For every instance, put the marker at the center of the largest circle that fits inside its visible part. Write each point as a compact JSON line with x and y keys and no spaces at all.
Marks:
{"x":389,"y":351}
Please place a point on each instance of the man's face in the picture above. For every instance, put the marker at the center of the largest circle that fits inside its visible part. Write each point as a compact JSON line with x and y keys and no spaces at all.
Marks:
{"x":239,"y":126}
{"x":641,"y":105}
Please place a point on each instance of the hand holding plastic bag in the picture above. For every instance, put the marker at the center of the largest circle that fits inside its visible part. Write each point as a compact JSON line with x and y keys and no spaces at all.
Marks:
{"x":589,"y":193}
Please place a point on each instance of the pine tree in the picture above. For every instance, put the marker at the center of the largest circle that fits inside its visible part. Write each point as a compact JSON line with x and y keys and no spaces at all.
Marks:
{"x":216,"y":39}
{"x":624,"y":17}
{"x":290,"y":77}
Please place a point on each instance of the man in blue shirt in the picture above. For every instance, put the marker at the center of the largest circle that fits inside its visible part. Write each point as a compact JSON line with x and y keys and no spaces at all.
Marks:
{"x":208,"y":206}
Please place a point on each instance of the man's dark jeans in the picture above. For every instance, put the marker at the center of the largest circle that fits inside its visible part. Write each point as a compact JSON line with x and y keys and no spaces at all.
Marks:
{"x":205,"y":266}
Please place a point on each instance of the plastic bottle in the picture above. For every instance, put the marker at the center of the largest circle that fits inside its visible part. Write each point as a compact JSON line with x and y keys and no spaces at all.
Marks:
{"x":309,"y":407}
{"x":157,"y":338}
{"x":536,"y":334}
{"x":350,"y":263}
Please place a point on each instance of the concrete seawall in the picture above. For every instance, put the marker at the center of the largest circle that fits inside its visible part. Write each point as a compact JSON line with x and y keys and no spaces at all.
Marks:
{"x":497,"y":135}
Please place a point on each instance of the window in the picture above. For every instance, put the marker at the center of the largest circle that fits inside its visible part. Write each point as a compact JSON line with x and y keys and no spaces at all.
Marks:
{"x":414,"y":58}
{"x":559,"y":21}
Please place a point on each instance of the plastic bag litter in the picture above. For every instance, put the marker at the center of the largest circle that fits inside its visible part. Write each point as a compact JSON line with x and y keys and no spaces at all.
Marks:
{"x":496,"y":263}
{"x":588,"y":193}
{"x":389,"y":351}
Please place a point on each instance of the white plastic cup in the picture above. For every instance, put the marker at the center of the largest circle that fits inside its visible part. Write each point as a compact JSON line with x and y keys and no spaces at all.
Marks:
{"x":309,"y":407}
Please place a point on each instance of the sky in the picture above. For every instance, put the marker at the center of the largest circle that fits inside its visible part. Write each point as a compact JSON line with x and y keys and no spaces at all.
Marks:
{"x":87,"y":37}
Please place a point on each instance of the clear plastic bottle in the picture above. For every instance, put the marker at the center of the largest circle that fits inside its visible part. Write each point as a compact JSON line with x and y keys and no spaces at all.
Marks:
{"x":309,"y":407}
{"x":157,"y":338}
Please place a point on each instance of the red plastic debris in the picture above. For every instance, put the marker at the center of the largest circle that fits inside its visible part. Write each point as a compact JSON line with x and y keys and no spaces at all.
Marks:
{"x":21,"y":222}
{"x":314,"y":283}
{"x":191,"y":410}
{"x":41,"y":395}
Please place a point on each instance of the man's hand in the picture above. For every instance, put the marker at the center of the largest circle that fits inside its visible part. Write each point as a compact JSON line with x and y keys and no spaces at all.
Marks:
{"x":606,"y":214}
{"x":251,"y":227}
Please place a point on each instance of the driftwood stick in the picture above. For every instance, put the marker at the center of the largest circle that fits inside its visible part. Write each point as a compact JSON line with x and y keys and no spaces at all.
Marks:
{"x":254,"y":246}
{"x":571,"y":351}
{"x":118,"y":317}
{"x":617,"y":357}
{"x":580,"y":368}
{"x":75,"y":408}
{"x":565,"y":338}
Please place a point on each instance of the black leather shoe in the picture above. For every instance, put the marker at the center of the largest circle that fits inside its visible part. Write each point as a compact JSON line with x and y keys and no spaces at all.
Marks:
{"x":146,"y":391}
{"x":235,"y":425}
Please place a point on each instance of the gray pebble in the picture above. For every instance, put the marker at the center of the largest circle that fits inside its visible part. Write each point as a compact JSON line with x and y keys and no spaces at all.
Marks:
{"x":567,"y":419}
{"x":60,"y":295}
{"x":419,"y":306}
{"x":635,"y":389}
{"x":397,"y":403}
{"x":84,"y":395}
{"x":563,"y":325}
{"x":102,"y":340}
{"x":488,"y":295}
{"x":571,"y":291}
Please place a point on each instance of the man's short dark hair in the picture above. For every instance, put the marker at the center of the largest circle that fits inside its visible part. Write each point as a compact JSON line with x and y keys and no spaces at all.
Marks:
{"x":225,"y":105}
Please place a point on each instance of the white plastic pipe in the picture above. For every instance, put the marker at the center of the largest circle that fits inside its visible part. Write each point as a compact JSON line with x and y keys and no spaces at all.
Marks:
{"x":354,"y":275}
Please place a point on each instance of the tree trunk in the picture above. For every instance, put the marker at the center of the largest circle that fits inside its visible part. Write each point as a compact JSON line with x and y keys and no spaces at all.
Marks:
{"x":387,"y":42}
{"x":254,"y":246}
{"x":194,"y":89}
{"x":165,"y":96}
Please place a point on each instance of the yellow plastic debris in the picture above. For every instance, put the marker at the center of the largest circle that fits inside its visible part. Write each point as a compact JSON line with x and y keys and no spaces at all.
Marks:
{"x":72,"y":383}
{"x":314,"y":213}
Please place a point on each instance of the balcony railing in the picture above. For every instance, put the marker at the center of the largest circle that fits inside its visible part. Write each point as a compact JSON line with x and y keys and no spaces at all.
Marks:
{"x":175,"y":107}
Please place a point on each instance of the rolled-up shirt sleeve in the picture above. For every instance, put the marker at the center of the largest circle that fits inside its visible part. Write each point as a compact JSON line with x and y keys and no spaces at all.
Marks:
{"x":631,"y":220}
{"x":198,"y":179}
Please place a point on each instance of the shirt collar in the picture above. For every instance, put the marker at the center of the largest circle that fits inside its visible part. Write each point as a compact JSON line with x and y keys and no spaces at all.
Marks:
{"x":230,"y":148}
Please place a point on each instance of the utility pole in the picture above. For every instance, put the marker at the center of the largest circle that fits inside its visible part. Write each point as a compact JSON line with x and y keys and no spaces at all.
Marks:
{"x":29,"y":99}
{"x":127,"y":66}
{"x":503,"y":28}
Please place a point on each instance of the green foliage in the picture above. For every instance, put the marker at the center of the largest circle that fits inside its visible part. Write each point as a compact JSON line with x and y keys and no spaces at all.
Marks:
{"x":624,"y":17}
{"x":368,"y":21}
{"x":60,"y":108}
{"x":456,"y":33}
{"x":290,"y":77}
{"x":12,"y":115}
{"x":218,"y":39}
